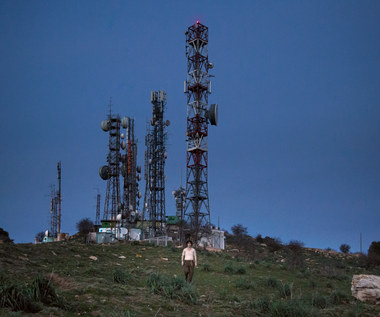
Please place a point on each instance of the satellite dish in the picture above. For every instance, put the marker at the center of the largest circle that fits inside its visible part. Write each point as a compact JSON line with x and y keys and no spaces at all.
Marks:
{"x":123,"y":145}
{"x":213,"y":114}
{"x":105,"y":125}
{"x":139,"y":177}
{"x":138,"y":168}
{"x":122,"y":136}
{"x":125,"y":122}
{"x":139,"y":195}
{"x":47,"y":233}
{"x":119,"y":217}
{"x":167,"y":122}
{"x":210,"y":65}
{"x":104,"y":172}
{"x":165,"y":155}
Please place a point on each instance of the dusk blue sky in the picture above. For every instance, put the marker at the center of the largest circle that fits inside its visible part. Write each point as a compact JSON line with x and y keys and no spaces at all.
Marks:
{"x":296,"y":154}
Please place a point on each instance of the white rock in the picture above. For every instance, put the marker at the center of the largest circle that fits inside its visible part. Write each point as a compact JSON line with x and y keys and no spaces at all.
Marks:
{"x":366,"y":288}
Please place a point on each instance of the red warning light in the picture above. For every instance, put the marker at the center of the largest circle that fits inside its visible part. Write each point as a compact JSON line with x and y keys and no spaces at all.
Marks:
{"x":197,"y":21}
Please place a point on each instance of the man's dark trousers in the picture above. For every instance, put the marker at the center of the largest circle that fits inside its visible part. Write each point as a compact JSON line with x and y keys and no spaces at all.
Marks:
{"x":188,"y":267}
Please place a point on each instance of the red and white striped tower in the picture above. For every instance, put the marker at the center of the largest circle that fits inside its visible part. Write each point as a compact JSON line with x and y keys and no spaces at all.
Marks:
{"x":198,"y":87}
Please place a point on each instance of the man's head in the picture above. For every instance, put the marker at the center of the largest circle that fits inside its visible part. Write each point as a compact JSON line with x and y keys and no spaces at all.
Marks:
{"x":189,"y":243}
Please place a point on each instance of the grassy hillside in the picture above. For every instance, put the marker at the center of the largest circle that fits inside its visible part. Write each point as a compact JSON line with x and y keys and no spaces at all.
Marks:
{"x":131,"y":279}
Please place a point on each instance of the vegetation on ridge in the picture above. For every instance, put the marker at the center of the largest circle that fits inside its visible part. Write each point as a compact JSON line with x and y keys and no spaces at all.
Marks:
{"x":138,"y":279}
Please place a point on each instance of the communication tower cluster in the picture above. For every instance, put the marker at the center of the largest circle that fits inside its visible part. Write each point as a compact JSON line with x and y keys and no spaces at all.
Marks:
{"x":155,"y":156}
{"x":192,"y":202}
{"x":121,"y":211}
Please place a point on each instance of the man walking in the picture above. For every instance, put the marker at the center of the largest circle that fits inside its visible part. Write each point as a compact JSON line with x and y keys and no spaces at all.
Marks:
{"x":189,"y":260}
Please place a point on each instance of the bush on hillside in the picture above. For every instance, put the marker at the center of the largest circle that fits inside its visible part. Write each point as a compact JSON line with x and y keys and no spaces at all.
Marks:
{"x":259,"y":238}
{"x":345,"y":248}
{"x":274,"y":244}
{"x":241,"y":238}
{"x":85,"y":225}
{"x":296,"y":246}
{"x":4,"y":236}
{"x":40,"y":236}
{"x":374,"y":253}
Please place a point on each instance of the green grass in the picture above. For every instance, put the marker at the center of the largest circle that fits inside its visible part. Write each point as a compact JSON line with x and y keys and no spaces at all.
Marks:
{"x":60,"y":279}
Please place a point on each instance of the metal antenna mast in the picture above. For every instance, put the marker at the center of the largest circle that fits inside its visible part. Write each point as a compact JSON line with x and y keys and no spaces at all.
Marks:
{"x":131,"y":173}
{"x":111,"y":172}
{"x":59,"y":197}
{"x":53,"y":212}
{"x":198,"y":87}
{"x":97,"y":218}
{"x":155,"y":156}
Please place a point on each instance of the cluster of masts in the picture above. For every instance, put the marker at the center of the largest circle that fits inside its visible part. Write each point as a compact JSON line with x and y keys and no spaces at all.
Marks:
{"x":121,"y":208}
{"x":122,"y":215}
{"x":192,"y":202}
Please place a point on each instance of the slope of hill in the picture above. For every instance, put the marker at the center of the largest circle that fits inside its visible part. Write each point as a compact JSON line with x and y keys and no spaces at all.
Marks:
{"x":134,"y":279}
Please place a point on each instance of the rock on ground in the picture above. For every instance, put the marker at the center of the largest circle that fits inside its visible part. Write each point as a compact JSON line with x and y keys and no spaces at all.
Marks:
{"x":366,"y":288}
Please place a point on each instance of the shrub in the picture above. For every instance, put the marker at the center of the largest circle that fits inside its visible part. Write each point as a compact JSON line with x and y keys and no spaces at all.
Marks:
{"x":231,"y":269}
{"x":241,"y":270}
{"x":85,"y":225}
{"x":18,"y":297}
{"x":289,"y":308}
{"x":263,"y":305}
{"x":121,"y":277}
{"x":239,"y":230}
{"x":274,"y":244}
{"x":205,"y":267}
{"x":319,"y":301}
{"x":272,"y":282}
{"x":374,"y":253}
{"x":259,"y":238}
{"x":28,"y":297}
{"x":171,"y":287}
{"x":40,"y":236}
{"x":285,"y":290}
{"x":296,"y":246}
{"x":4,"y":236}
{"x":244,"y":283}
{"x":345,"y":248}
{"x":42,"y":290}
{"x":337,"y":297}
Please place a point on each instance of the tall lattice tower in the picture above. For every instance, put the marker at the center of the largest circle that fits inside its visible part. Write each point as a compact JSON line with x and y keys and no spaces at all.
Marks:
{"x":155,"y":155}
{"x":198,"y":87}
{"x":131,"y":173}
{"x":53,"y":212}
{"x":59,"y":195}
{"x":55,"y":205}
{"x":111,"y":172}
{"x":97,"y":217}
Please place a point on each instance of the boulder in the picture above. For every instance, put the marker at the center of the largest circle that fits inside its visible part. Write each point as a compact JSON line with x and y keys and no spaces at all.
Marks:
{"x":366,"y":288}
